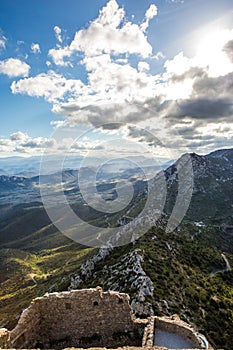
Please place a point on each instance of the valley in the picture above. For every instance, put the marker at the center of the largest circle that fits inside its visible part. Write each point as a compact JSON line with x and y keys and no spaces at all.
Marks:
{"x":164,"y":272}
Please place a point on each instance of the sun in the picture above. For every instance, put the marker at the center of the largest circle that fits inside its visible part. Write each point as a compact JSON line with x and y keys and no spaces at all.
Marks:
{"x":210,"y":52}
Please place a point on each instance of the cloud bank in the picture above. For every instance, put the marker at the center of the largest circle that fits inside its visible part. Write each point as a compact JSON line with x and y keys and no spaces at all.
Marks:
{"x":192,"y":95}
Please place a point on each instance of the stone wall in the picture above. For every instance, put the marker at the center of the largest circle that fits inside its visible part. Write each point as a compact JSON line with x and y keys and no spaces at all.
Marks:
{"x":148,"y":337}
{"x":175,"y":325}
{"x":4,"y":338}
{"x":79,"y":318}
{"x":27,"y":330}
{"x":89,"y":318}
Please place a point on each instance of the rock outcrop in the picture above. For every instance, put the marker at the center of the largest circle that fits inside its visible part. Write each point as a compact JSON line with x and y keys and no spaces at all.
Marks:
{"x":128,"y":275}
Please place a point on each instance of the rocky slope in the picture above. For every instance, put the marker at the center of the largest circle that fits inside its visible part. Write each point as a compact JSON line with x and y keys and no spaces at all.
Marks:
{"x":164,"y":272}
{"x":212,"y":197}
{"x":180,"y":273}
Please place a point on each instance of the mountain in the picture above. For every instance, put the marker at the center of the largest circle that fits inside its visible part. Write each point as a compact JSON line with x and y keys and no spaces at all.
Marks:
{"x":221,"y":154}
{"x":30,"y":166}
{"x":180,"y":273}
{"x":13,"y":183}
{"x":212,"y":197}
{"x":187,"y":271}
{"x":21,"y":166}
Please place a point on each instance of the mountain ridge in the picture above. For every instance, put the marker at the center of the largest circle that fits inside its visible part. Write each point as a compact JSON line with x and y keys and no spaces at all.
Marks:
{"x":179,"y":272}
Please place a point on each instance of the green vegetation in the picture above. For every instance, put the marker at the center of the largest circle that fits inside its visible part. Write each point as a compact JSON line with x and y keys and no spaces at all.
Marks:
{"x":25,"y":276}
{"x":181,"y":276}
{"x":180,"y":265}
{"x":185,"y":266}
{"x":34,"y":259}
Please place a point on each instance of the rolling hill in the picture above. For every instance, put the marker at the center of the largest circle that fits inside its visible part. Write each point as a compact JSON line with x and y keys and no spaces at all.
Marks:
{"x":183,"y":271}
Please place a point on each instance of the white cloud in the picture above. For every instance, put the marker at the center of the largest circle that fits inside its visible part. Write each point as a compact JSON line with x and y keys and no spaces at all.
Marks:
{"x":178,"y":65}
{"x":20,"y":142}
{"x":105,"y":36}
{"x":212,"y":59}
{"x":2,"y":42}
{"x":176,"y":1}
{"x":39,"y":142}
{"x":150,"y":14}
{"x":210,"y":55}
{"x":57,"y":31}
{"x":19,"y":136}
{"x":198,"y":88}
{"x":109,"y":83}
{"x":118,"y":92}
{"x":5,"y":143}
{"x":143,"y":66}
{"x":159,"y":55}
{"x":51,"y":86}
{"x":59,"y":54}
{"x":110,"y":33}
{"x":35,"y":48}
{"x":113,"y":80}
{"x":13,"y":67}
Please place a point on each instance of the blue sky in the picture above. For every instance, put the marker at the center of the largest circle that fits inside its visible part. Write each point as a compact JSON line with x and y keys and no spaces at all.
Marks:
{"x":144,"y":63}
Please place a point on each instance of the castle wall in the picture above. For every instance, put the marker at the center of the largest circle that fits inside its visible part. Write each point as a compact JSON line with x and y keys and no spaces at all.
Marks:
{"x":175,"y":325}
{"x":89,"y":318}
{"x":4,"y":338}
{"x":27,"y":330}
{"x":80,"y":318}
{"x":148,"y":336}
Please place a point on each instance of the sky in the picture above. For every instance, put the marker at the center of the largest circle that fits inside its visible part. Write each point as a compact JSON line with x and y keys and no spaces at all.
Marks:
{"x":77,"y":75}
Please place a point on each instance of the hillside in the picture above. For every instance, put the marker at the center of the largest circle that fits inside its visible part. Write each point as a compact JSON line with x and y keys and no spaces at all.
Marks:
{"x":183,"y":272}
{"x":173,"y":273}
{"x":213,"y":191}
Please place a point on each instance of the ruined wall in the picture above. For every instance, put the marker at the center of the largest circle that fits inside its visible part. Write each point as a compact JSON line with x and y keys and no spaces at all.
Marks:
{"x":4,"y":338}
{"x":80,"y":318}
{"x":89,"y":318}
{"x":175,"y":325}
{"x":148,"y":336}
{"x":28,"y":327}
